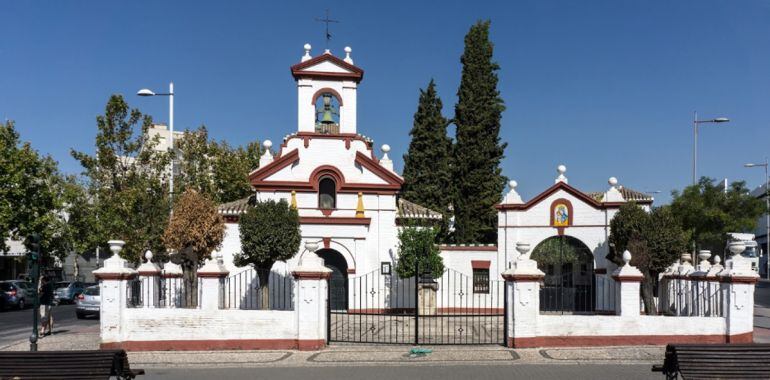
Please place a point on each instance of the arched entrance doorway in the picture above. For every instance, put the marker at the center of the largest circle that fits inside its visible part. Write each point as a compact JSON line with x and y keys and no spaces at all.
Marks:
{"x":569,"y":283}
{"x":338,"y":283}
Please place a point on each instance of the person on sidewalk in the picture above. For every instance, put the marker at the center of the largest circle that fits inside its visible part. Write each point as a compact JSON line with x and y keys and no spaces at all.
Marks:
{"x":46,"y":302}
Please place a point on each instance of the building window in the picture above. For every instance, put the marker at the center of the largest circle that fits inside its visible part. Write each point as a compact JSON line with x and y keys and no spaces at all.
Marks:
{"x":327,"y":193}
{"x":481,"y":280}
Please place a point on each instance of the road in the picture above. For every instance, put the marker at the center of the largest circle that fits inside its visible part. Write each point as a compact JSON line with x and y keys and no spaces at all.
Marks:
{"x":531,"y":371}
{"x":16,"y":325}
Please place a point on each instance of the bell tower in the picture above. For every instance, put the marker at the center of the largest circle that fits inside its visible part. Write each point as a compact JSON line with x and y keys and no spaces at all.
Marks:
{"x":326,"y":93}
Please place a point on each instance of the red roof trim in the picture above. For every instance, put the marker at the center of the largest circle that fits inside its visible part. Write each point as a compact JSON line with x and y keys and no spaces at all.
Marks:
{"x":356,"y":74}
{"x":274,"y":166}
{"x":375,"y":168}
{"x":480,"y":264}
{"x":556,"y":187}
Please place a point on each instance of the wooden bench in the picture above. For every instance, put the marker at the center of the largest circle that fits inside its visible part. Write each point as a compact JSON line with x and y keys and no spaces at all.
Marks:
{"x":93,"y":364}
{"x":716,"y":361}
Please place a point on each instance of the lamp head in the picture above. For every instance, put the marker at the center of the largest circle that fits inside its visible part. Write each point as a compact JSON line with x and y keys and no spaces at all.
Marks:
{"x":145,"y":92}
{"x":721,"y":120}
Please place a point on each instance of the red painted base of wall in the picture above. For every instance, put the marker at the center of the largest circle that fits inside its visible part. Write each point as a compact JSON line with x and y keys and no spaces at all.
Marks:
{"x":225,"y":344}
{"x":625,"y":340}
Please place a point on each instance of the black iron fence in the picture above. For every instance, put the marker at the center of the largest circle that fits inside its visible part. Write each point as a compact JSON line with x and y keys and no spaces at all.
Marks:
{"x":453,"y":309}
{"x":569,"y":293}
{"x":174,"y":292}
{"x":244,"y":290}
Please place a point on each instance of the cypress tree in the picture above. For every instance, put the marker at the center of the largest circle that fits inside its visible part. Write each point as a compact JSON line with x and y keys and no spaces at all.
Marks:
{"x":477,"y":179}
{"x":426,"y":164}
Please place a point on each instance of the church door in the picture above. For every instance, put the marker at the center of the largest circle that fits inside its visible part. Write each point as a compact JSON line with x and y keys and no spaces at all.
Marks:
{"x":338,"y":283}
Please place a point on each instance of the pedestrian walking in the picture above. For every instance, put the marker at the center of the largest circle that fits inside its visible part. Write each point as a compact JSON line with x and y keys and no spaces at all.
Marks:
{"x":45,"y":292}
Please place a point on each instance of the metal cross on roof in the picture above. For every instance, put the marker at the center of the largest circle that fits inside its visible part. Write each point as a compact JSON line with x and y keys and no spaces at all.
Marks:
{"x":327,"y":20}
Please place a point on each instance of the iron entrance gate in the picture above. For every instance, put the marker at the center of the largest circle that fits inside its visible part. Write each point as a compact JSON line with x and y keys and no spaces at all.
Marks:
{"x":453,"y":309}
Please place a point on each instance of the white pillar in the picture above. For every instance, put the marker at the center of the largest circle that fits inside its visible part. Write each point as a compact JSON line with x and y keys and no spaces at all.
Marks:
{"x":149,"y":274}
{"x":628,"y":279}
{"x":211,"y":275}
{"x":113,"y":277}
{"x":522,"y":283}
{"x":310,"y":299}
{"x":738,"y":282}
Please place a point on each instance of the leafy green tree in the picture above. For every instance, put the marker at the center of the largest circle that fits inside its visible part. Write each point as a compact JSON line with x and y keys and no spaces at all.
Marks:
{"x":416,"y":244}
{"x":709,"y":213}
{"x":427,"y":175}
{"x":31,"y":194}
{"x":557,"y":251}
{"x":215,"y":169}
{"x":195,"y":230}
{"x":126,"y":183}
{"x":655,"y":240}
{"x":269,"y":232}
{"x":478,"y":151}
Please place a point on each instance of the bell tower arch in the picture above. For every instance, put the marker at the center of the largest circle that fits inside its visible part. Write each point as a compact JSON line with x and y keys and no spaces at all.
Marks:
{"x":326,"y":92}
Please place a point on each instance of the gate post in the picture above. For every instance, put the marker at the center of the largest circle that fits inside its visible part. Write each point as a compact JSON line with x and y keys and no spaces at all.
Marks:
{"x":113,"y":277}
{"x":211,"y":275}
{"x":310,"y":302}
{"x":738,"y":282}
{"x":522,"y":282}
{"x":628,"y":279}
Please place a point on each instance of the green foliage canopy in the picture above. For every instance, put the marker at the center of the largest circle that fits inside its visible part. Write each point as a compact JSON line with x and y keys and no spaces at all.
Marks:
{"x":269,"y":232}
{"x":709,"y":213}
{"x":427,"y":175}
{"x":477,"y":153}
{"x":416,"y":244}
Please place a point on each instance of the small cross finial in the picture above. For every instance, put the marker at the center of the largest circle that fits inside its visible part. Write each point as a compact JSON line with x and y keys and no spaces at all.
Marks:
{"x":327,"y":20}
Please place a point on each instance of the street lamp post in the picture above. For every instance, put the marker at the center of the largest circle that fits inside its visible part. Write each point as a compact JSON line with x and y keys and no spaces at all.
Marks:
{"x":170,"y":94}
{"x":695,"y":124}
{"x":767,"y":213}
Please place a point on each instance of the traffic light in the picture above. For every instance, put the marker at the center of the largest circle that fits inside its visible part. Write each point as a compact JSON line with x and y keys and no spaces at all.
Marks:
{"x":34,"y":240}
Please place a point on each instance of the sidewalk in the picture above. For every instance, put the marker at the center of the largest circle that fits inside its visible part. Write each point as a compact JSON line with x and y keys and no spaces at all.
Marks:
{"x":350,"y":355}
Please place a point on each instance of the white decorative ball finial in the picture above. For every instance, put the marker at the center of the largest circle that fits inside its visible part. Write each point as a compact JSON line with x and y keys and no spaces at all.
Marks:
{"x":148,"y":255}
{"x":627,"y":257}
{"x":613,"y":181}
{"x":307,"y":53}
{"x":512,"y":184}
{"x":561,"y":169}
{"x":385,"y":148}
{"x":717,"y":259}
{"x":347,"y":55}
{"x":267,"y":144}
{"x":348,"y":49}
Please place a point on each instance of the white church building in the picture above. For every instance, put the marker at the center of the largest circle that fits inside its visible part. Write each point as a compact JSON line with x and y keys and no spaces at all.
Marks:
{"x":348,"y":198}
{"x":547,"y":282}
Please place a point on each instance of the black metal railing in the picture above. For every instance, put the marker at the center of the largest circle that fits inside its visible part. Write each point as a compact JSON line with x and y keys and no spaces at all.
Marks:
{"x":244,"y":291}
{"x":453,"y":309}
{"x":178,"y":292}
{"x":569,"y":293}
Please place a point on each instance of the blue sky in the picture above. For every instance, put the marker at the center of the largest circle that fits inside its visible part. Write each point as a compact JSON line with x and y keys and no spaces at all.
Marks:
{"x":606,"y":87}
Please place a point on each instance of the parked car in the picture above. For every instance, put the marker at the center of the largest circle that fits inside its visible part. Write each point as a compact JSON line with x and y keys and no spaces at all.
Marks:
{"x":88,"y":302}
{"x":68,"y":292}
{"x":19,"y":294}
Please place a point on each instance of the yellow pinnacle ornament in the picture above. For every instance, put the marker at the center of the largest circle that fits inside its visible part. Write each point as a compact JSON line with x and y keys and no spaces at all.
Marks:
{"x":294,"y":199}
{"x":360,"y":207}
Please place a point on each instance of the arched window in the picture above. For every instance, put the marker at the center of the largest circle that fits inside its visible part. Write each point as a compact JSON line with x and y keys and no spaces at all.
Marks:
{"x":327,"y":193}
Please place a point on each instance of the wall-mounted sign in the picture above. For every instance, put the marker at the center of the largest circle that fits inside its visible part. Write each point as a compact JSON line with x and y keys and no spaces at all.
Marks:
{"x":385,"y":268}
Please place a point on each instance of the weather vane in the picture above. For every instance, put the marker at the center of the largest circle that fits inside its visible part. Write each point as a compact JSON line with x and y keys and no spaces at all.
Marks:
{"x":327,"y":20}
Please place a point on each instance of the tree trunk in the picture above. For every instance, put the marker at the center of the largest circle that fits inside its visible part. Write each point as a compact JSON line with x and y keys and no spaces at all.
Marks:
{"x":648,"y":294}
{"x":190,"y":284}
{"x":264,"y":290}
